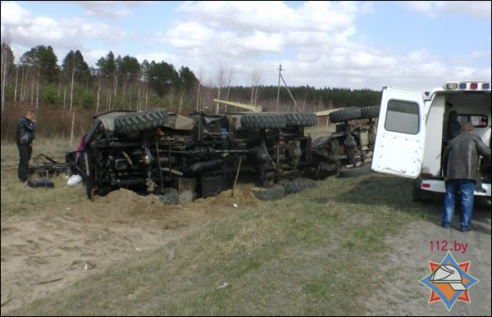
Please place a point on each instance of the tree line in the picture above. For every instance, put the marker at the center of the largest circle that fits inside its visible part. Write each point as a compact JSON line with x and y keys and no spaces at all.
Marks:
{"x":115,"y":83}
{"x":39,"y":79}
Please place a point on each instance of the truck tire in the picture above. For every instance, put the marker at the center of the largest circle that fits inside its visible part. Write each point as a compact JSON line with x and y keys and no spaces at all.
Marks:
{"x":263,"y":121}
{"x":270,"y":192}
{"x":298,"y":185}
{"x":370,"y":112}
{"x":301,"y":119}
{"x":140,"y":121}
{"x":346,"y":114}
{"x":93,"y":190}
{"x":170,"y":196}
{"x":90,"y":189}
{"x":355,"y":171}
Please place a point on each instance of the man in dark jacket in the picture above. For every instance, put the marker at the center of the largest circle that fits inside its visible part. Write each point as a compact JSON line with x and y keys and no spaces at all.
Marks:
{"x":25,"y":135}
{"x":460,"y":167}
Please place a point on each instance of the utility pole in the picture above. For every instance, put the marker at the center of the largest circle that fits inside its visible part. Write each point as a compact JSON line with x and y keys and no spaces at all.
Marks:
{"x":71,"y":86}
{"x":288,"y":90}
{"x":278,"y":87}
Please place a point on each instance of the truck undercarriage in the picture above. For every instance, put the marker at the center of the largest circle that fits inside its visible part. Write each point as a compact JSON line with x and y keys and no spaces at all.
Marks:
{"x":181,"y":158}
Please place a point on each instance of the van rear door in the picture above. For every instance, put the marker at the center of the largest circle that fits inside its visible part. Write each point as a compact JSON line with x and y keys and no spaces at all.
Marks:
{"x":399,"y":147}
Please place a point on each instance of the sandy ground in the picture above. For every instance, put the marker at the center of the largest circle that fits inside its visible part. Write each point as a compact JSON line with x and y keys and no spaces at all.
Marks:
{"x":67,"y":244}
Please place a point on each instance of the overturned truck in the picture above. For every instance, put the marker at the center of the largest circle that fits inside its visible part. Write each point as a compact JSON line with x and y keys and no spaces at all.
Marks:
{"x":181,"y":158}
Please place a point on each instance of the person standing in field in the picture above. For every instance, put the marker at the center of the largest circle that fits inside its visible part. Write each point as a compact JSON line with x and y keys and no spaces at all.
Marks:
{"x":25,"y":135}
{"x":460,"y":167}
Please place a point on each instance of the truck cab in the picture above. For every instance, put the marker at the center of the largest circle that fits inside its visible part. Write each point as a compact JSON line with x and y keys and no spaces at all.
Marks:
{"x":414,"y":129}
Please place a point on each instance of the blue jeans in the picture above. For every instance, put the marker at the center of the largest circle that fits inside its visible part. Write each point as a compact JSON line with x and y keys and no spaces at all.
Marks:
{"x":466,"y":187}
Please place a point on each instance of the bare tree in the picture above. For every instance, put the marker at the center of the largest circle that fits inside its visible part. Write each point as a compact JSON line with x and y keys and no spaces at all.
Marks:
{"x":230,"y":77}
{"x":255,"y":80}
{"x":198,"y":90}
{"x":16,"y":81}
{"x":207,"y":93}
{"x":64,"y":97}
{"x":147,"y":95}
{"x":220,"y":83}
{"x":98,"y":93}
{"x":71,"y":87}
{"x":33,"y":84}
{"x":23,"y":85}
{"x":7,"y":68}
{"x":38,"y":78}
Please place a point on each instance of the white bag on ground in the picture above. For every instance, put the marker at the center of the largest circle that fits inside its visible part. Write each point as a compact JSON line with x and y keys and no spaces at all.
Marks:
{"x":74,"y":180}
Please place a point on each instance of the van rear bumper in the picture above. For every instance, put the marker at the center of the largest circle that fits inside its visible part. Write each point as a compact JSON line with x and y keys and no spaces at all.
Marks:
{"x":437,"y":186}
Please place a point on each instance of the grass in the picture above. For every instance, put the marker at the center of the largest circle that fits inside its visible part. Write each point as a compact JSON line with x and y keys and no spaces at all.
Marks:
{"x":17,"y":200}
{"x":311,"y":253}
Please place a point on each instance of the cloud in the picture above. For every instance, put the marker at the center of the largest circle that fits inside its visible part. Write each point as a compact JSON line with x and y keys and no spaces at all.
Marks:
{"x":187,"y":35}
{"x":316,"y":42}
{"x":107,"y":9}
{"x":267,"y":42}
{"x":14,"y":15}
{"x":26,"y":30}
{"x":273,"y":16}
{"x":474,"y":9}
{"x":475,"y":56}
{"x":246,"y":30}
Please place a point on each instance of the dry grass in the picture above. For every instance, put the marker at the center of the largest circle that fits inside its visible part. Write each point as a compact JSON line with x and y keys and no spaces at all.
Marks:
{"x":17,"y":199}
{"x":287,"y":257}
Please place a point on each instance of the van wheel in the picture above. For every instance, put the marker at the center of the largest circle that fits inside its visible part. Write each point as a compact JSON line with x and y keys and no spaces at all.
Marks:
{"x":427,"y":197}
{"x":416,"y":192}
{"x":437,"y":198}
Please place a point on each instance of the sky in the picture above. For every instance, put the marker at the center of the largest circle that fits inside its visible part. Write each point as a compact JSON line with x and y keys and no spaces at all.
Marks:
{"x":356,"y":45}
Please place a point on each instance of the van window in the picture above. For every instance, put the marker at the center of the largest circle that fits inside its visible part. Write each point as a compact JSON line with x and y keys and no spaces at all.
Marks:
{"x":402,"y":116}
{"x":478,"y":120}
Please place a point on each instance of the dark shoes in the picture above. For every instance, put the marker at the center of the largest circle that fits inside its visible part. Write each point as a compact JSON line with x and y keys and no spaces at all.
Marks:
{"x":447,"y":225}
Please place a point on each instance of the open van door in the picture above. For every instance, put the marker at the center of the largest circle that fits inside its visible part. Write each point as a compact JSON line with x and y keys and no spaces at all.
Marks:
{"x":399,"y":147}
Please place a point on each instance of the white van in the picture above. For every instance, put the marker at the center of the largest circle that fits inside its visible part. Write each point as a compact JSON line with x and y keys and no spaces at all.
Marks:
{"x":413,"y":131}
